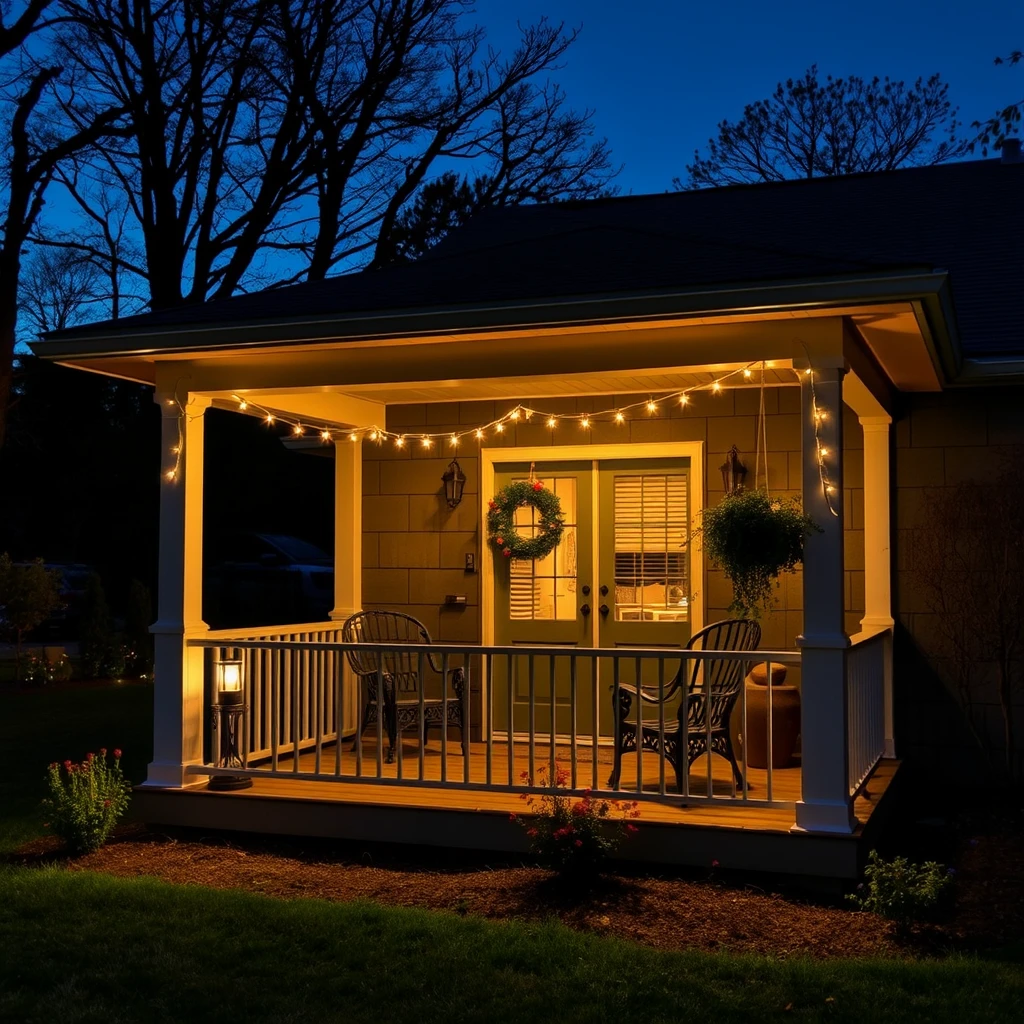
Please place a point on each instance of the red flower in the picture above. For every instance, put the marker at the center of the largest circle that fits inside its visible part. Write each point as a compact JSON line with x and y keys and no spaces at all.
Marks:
{"x":580,"y":807}
{"x":117,"y":753}
{"x":633,"y":828}
{"x":538,"y":486}
{"x":106,"y":803}
{"x":714,"y":863}
{"x":507,"y":552}
{"x":512,"y":817}
{"x":531,"y":831}
{"x":90,"y":757}
{"x":67,"y":765}
{"x":492,"y":504}
{"x":499,"y":541}
{"x":579,"y":842}
{"x":103,"y":751}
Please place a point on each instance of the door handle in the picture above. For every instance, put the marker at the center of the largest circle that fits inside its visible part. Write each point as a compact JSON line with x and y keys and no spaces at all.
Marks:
{"x":604,"y":590}
{"x":585,"y":590}
{"x":604,"y":609}
{"x":584,"y":609}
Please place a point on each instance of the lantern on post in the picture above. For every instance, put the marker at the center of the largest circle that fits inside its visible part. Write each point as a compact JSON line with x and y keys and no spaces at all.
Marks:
{"x":229,"y":714}
{"x":454,"y":483}
{"x":733,"y":472}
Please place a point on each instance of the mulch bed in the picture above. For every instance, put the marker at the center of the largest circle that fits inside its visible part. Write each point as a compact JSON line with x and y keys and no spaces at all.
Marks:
{"x":666,"y":912}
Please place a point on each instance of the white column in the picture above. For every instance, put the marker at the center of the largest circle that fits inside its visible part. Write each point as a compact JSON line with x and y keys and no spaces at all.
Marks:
{"x":877,"y":556}
{"x":348,"y":554}
{"x":825,"y":806}
{"x":348,"y":529}
{"x":178,"y":670}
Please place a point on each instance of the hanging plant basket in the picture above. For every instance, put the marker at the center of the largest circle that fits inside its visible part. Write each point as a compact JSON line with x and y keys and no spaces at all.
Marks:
{"x":502,"y":515}
{"x":753,"y":538}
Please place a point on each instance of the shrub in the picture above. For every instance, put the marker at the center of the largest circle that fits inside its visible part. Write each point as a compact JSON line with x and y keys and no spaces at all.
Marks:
{"x":901,"y":891}
{"x":87,"y":800}
{"x":97,"y":629}
{"x":38,"y":669}
{"x":574,"y":834}
{"x":29,"y":594}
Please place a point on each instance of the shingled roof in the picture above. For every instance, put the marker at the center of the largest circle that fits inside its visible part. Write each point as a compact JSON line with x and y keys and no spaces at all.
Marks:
{"x":966,"y":218}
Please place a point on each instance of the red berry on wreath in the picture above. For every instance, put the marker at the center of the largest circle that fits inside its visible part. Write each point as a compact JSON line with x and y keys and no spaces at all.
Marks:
{"x":538,"y":486}
{"x":507,"y":552}
{"x":492,"y":504}
{"x":499,"y":541}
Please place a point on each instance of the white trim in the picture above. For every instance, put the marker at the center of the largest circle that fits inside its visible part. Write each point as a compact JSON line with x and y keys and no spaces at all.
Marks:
{"x":489,"y":457}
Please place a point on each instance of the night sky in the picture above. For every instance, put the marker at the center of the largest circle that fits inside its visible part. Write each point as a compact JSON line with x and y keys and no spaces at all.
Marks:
{"x":661,"y":75}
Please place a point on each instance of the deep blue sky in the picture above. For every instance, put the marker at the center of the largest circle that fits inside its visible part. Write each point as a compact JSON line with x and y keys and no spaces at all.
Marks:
{"x":661,"y":75}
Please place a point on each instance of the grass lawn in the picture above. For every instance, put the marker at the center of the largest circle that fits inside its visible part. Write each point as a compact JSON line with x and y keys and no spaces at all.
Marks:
{"x":76,"y":946}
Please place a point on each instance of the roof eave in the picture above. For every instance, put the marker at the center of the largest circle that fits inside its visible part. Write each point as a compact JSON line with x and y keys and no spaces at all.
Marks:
{"x":585,"y":310}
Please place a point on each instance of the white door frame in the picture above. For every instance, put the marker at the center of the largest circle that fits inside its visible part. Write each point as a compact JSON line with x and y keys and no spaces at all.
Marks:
{"x":489,"y":457}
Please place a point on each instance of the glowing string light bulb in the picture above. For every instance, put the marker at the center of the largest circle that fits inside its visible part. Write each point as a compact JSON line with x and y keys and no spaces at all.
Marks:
{"x":171,"y":474}
{"x":585,"y":422}
{"x":823,"y":452}
{"x":684,"y":399}
{"x":479,"y":435}
{"x":619,"y":417}
{"x":325,"y":435}
{"x":454,"y":441}
{"x":243,"y":404}
{"x":374,"y":435}
{"x":399,"y":442}
{"x":551,"y":422}
{"x":716,"y":387}
{"x":298,"y":430}
{"x":514,"y":414}
{"x":748,"y":373}
{"x":427,"y":442}
{"x":652,"y":405}
{"x":269,"y":420}
{"x":499,"y":427}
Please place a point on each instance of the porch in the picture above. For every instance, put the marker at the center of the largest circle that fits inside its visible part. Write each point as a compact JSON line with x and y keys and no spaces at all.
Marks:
{"x":819,"y":426}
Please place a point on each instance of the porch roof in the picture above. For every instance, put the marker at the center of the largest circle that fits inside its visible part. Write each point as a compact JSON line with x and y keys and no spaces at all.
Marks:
{"x":921,"y":234}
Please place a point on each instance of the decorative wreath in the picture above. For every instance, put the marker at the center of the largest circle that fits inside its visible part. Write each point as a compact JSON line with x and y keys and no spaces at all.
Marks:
{"x":501,"y":520}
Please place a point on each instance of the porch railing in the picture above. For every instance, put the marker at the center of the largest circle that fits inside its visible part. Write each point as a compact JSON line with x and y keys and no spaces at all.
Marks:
{"x":555,"y":707}
{"x":865,"y":704}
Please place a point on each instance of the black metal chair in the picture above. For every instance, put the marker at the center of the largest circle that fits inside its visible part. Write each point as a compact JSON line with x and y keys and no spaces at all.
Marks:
{"x":712,"y":687}
{"x":400,"y":673}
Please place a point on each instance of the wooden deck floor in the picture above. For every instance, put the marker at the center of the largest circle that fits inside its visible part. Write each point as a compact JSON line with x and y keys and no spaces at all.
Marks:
{"x":347,"y":787}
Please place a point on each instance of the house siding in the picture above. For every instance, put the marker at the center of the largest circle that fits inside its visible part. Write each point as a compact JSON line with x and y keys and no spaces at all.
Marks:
{"x":415,"y":547}
{"x":942,"y":440}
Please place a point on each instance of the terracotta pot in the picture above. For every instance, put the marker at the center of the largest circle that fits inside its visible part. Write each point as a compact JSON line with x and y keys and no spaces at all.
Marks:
{"x":785,"y":723}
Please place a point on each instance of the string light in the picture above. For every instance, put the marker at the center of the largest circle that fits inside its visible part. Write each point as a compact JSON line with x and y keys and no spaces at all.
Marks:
{"x":585,"y":422}
{"x":373,"y":435}
{"x":479,"y":434}
{"x":270,"y":419}
{"x":620,"y":417}
{"x":748,"y":373}
{"x":552,"y":422}
{"x":427,"y":442}
{"x":716,"y":387}
{"x":652,"y":406}
{"x":514,"y":414}
{"x":684,"y":399}
{"x":171,"y":474}
{"x":243,"y":404}
{"x":399,"y":442}
{"x":454,"y":441}
{"x":298,"y":430}
{"x":499,"y":427}
{"x":823,"y":452}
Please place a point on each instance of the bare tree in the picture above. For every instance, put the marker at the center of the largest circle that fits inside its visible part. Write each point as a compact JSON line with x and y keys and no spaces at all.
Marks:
{"x":808,"y":128}
{"x":968,"y":563}
{"x":34,"y":142}
{"x":58,"y":288}
{"x":1003,"y":122}
{"x":276,"y":140}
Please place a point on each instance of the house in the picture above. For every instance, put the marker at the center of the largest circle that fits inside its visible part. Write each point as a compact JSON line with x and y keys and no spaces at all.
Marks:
{"x":857,"y":338}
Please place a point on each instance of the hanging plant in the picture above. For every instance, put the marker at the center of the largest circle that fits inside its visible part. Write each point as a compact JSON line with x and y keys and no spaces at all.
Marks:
{"x":502,"y":517}
{"x":752,"y":538}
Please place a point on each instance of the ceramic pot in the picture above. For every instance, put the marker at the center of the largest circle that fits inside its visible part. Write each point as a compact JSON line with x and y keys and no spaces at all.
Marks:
{"x":785,"y":719}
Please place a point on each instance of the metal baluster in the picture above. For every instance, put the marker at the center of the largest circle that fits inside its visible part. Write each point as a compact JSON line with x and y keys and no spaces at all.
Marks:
{"x":296,"y":710}
{"x":318,"y":692}
{"x":510,"y":737}
{"x":361,"y":697}
{"x":381,"y":712}
{"x":686,"y":671}
{"x":247,"y":702}
{"x":708,"y":695}
{"x":638,"y":670}
{"x":533,"y":719}
{"x":275,"y":699}
{"x":768,"y":698}
{"x":254,"y":675}
{"x":466,"y":734}
{"x":617,"y":714}
{"x":554,"y":709}
{"x":746,"y":737}
{"x":661,"y":725}
{"x":596,"y":685}
{"x":420,"y":664}
{"x":337,"y":663}
{"x":572,"y":720}
{"x":444,"y":717}
{"x":488,"y":722}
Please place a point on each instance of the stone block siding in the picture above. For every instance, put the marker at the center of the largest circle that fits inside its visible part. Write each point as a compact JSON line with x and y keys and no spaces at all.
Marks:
{"x":414,"y":546}
{"x":941,"y":441}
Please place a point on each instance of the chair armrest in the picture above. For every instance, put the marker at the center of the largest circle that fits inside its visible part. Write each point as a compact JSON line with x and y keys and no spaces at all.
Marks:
{"x":643,"y":692}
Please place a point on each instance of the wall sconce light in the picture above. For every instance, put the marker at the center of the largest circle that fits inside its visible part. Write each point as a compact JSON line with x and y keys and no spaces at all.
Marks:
{"x":733,"y":472}
{"x":454,"y":483}
{"x":229,"y":713}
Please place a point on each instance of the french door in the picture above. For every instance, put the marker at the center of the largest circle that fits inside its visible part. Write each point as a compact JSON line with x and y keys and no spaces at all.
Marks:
{"x":620,"y":577}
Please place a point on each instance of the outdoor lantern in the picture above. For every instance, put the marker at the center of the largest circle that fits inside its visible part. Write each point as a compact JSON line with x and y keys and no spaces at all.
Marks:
{"x":733,"y":472}
{"x":454,"y":483}
{"x":229,"y":682}
{"x":229,"y":715}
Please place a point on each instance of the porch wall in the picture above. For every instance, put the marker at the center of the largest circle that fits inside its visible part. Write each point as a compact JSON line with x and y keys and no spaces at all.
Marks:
{"x":414,"y":547}
{"x":942,"y":440}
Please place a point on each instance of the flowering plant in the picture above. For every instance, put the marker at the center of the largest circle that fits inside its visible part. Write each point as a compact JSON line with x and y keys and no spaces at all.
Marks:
{"x":574,"y":834}
{"x":87,"y":799}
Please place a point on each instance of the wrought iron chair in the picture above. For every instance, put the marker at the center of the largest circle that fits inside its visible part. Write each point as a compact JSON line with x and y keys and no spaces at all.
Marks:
{"x":400,"y":673}
{"x":712,"y":688}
